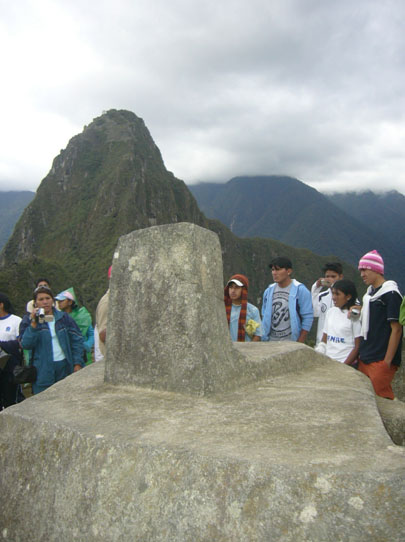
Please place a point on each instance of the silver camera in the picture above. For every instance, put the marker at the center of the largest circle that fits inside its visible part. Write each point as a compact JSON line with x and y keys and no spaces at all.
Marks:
{"x":40,"y":316}
{"x":354,"y":314}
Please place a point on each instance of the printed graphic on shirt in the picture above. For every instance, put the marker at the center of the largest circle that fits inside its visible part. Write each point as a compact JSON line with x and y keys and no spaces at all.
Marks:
{"x":9,"y":327}
{"x":333,"y":339}
{"x":280,"y":319}
{"x":325,"y":300}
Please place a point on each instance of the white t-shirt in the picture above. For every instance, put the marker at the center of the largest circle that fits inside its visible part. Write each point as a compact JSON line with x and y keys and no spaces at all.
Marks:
{"x":341,"y":332}
{"x":9,"y":327}
{"x":98,"y":356}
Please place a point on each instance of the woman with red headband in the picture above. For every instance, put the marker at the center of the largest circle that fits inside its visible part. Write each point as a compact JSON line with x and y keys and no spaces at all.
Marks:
{"x":243,"y":317}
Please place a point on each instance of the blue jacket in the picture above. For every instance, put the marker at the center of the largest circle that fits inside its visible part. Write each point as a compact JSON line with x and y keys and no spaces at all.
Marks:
{"x":300,"y":307}
{"x":39,"y":340}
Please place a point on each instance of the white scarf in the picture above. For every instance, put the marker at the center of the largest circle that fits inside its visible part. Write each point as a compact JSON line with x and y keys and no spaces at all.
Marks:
{"x":387,"y":286}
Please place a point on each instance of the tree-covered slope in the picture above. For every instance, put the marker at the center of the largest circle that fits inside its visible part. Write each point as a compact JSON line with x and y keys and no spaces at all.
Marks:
{"x":288,"y":210}
{"x":381,"y":212}
{"x":12,"y":204}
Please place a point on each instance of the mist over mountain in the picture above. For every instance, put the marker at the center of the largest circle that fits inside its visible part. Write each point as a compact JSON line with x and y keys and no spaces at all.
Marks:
{"x":288,"y":210}
{"x":111,"y":180}
{"x":12,"y":204}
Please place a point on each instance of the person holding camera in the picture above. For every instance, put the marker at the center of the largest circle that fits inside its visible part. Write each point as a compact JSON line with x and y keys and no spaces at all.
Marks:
{"x":54,"y":338}
{"x":321,"y":293}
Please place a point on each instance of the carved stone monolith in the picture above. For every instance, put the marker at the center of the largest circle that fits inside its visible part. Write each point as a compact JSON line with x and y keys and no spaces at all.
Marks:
{"x":166,"y":302}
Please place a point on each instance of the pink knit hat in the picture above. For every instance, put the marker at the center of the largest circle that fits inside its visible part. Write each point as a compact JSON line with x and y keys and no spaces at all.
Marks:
{"x":372,"y":260}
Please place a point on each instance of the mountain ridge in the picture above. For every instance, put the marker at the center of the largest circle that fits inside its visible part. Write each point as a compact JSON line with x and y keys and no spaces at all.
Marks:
{"x":380,"y":211}
{"x":111,"y":180}
{"x":288,"y":210}
{"x":13,"y":203}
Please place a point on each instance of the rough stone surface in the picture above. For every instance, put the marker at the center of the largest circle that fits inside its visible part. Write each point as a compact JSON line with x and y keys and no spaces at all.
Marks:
{"x":167,"y":325}
{"x":277,"y":444}
{"x":301,"y":456}
{"x":398,"y":384}
{"x":393,"y":417}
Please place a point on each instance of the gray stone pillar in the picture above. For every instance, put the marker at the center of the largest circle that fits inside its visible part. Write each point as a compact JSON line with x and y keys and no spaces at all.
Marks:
{"x":167,"y":326}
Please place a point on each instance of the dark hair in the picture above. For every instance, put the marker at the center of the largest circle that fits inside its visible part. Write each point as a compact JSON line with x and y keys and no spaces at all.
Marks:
{"x":41,"y":279}
{"x":333,"y":266}
{"x":6,"y":303}
{"x":42,"y":290}
{"x":348,"y":288}
{"x":282,"y":262}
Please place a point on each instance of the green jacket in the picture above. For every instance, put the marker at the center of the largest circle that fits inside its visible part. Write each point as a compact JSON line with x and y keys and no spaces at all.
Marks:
{"x":82,"y":318}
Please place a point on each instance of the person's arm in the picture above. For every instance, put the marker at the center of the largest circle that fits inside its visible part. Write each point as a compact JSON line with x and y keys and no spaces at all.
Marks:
{"x":303,"y":336}
{"x":402,"y":313}
{"x":264,"y":302}
{"x":76,"y":342}
{"x":89,"y":342}
{"x":306,"y":312}
{"x":315,"y":291}
{"x":321,"y":346}
{"x":257,"y":337}
{"x":102,"y":335}
{"x":266,"y":318}
{"x":102,"y":316}
{"x":395,"y":337}
{"x":28,"y":332}
{"x":11,"y":347}
{"x":351,"y":358}
{"x":25,"y":322}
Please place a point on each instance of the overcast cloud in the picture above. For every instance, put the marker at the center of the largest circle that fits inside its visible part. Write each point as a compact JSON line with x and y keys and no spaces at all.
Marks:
{"x":308,"y":88}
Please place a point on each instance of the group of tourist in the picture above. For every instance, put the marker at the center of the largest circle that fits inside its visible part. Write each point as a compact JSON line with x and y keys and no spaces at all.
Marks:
{"x":58,"y":338}
{"x":366,"y":335}
{"x":56,"y":334}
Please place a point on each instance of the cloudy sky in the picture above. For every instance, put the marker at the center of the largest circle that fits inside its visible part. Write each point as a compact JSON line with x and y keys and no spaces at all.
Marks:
{"x":314,"y":89}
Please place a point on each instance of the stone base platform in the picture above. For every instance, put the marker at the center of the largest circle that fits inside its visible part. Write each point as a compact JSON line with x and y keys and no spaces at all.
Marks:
{"x":301,"y":455}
